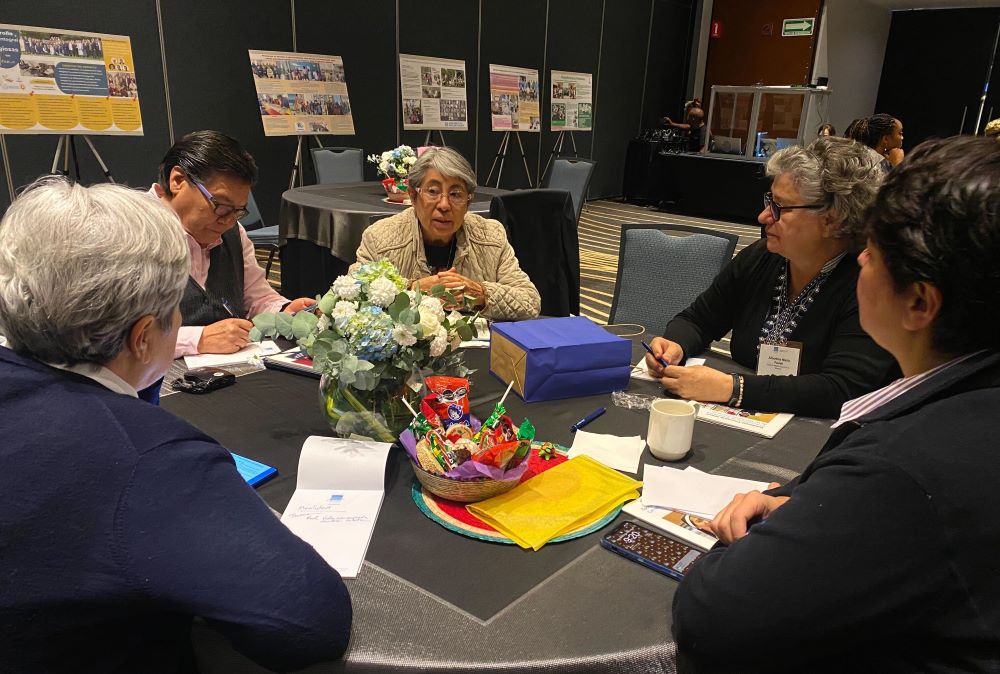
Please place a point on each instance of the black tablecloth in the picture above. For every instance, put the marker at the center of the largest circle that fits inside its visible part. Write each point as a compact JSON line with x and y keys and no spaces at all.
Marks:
{"x":427,"y":597}
{"x":693,"y":184}
{"x":320,"y":221}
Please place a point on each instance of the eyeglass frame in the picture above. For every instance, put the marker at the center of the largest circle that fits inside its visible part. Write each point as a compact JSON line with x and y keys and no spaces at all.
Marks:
{"x":776,"y":208}
{"x":468,"y":197}
{"x":240,"y":212}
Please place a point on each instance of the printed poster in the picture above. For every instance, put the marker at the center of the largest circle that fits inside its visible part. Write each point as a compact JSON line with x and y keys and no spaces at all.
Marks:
{"x":572,"y":101}
{"x":62,"y":81}
{"x":433,"y":93}
{"x":301,"y":94}
{"x":514,"y":99}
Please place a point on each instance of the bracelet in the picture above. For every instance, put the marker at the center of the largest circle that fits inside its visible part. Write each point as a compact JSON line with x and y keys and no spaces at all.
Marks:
{"x":739,"y":400}
{"x":736,"y":391}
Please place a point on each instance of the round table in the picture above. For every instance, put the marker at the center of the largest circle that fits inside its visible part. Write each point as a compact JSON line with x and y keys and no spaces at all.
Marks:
{"x":320,"y":229}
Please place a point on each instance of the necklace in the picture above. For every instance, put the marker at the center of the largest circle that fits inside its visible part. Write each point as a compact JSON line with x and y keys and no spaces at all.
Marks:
{"x":784,"y":316}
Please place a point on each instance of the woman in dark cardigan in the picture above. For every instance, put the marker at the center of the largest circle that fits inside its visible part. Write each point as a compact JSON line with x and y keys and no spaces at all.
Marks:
{"x":794,"y":290}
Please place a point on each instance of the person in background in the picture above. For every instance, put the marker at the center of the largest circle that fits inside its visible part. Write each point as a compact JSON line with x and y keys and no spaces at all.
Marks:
{"x":438,"y":242}
{"x":206,"y":179}
{"x":826,"y":129}
{"x":883,"y":558}
{"x":883,"y":134}
{"x":694,"y":127}
{"x":120,"y":523}
{"x":792,"y":292}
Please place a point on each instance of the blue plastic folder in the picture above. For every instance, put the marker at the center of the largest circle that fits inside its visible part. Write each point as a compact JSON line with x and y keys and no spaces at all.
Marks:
{"x":555,"y":358}
{"x":254,"y":472}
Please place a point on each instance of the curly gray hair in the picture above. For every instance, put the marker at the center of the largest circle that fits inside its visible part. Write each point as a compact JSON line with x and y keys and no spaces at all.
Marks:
{"x":80,"y":265}
{"x":447,"y":162}
{"x":838,"y":172}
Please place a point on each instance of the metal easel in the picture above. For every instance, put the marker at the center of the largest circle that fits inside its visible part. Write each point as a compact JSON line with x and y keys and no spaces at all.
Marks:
{"x":66,"y":147}
{"x":502,"y":154}
{"x":557,"y":150}
{"x":297,"y":171}
{"x":429,"y":140}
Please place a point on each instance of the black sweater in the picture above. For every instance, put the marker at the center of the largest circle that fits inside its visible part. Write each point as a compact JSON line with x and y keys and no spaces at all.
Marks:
{"x":839,"y":361}
{"x":884,"y":559}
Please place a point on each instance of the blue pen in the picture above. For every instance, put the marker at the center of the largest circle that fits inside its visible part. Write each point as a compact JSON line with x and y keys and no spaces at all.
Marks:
{"x":228,"y":307}
{"x":658,"y":360}
{"x":587,"y":419}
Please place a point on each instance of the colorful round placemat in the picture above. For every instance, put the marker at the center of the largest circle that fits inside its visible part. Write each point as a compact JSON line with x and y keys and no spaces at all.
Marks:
{"x":454,"y":517}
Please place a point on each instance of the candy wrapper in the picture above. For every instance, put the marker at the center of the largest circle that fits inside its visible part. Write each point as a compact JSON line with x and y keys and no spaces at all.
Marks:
{"x":451,"y":399}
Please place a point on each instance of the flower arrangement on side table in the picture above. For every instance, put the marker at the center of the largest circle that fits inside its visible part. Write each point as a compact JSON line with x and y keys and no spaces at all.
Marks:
{"x":374,"y":344}
{"x":395,"y":166}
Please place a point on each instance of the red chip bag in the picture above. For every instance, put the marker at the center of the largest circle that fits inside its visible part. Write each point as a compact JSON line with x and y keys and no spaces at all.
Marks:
{"x":451,"y":399}
{"x":497,"y":455}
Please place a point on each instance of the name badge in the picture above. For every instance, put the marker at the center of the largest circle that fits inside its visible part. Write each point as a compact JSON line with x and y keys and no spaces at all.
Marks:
{"x":779,"y":360}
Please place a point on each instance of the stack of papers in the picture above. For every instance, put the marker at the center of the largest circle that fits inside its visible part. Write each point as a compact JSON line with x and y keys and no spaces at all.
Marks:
{"x":337,"y":498}
{"x":691,"y":490}
{"x":613,"y":451}
{"x":251,"y":350}
{"x":574,"y":494}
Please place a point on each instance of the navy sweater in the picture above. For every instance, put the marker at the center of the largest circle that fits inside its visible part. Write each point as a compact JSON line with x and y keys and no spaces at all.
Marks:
{"x":120,"y":522}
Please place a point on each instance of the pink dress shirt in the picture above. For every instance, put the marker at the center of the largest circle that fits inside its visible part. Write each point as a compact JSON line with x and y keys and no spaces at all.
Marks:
{"x":258,"y":295}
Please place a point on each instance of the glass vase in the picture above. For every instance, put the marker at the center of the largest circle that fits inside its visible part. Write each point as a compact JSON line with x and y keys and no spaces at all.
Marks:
{"x":378,"y":414}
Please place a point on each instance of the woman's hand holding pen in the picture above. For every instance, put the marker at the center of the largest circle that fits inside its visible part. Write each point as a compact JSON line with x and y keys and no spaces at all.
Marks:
{"x":665,"y":349}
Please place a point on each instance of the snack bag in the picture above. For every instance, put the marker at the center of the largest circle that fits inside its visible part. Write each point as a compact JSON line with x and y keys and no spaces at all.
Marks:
{"x":451,"y":399}
{"x":498,"y":455}
{"x":427,"y":409}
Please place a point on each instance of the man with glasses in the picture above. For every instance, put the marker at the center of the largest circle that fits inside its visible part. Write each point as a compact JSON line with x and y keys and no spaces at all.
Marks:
{"x":206,"y":179}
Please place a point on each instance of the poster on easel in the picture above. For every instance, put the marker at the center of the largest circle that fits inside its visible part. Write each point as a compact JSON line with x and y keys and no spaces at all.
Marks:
{"x":434,"y":95}
{"x":572,"y":101}
{"x":301,"y":94}
{"x":514,"y":99}
{"x":65,"y":81}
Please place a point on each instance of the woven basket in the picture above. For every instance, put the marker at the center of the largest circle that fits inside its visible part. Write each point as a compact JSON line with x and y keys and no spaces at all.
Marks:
{"x":463,"y":491}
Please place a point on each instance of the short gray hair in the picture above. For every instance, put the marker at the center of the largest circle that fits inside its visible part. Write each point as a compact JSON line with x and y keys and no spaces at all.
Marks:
{"x":449,"y":163}
{"x":80,"y":265}
{"x":838,"y":172}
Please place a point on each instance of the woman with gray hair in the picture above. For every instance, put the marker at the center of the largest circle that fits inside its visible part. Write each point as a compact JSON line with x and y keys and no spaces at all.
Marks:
{"x":118,"y":522}
{"x":438,"y":242}
{"x":789,"y":298}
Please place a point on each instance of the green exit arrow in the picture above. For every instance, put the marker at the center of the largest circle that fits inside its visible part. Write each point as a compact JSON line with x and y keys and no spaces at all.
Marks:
{"x":797,"y":27}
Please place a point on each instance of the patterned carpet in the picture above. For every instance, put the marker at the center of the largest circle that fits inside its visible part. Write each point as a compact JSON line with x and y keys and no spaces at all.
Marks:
{"x":599,"y":233}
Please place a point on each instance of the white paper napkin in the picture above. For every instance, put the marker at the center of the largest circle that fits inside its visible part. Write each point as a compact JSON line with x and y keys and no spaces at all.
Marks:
{"x":691,"y":490}
{"x":613,"y":451}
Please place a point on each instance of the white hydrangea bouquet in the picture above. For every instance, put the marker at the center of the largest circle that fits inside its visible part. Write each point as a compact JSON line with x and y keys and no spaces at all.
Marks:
{"x":374,"y":344}
{"x":395,"y":164}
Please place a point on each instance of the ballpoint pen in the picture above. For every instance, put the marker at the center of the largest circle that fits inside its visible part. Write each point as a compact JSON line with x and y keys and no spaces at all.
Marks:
{"x":225,"y":305}
{"x":587,"y":419}
{"x":661,"y":361}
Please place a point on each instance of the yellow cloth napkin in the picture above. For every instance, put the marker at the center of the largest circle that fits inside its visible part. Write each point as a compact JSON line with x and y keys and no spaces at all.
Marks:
{"x":571,"y":495}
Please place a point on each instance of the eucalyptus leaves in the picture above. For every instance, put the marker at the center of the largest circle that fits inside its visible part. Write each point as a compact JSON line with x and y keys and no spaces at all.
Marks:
{"x":374,"y":333}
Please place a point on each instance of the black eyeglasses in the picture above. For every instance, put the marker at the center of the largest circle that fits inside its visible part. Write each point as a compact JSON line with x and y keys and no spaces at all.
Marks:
{"x":776,"y":208}
{"x":221,"y":210}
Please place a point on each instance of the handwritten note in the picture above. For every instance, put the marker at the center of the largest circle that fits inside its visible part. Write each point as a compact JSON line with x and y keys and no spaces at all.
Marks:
{"x":337,"y":499}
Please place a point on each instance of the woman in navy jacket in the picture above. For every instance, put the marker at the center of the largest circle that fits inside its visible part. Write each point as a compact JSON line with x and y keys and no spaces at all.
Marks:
{"x":118,"y":522}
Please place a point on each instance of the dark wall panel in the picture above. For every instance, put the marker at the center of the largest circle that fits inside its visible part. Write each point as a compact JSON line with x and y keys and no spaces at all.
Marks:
{"x":364,"y":35}
{"x":619,"y":92}
{"x":501,"y":21}
{"x":211,"y":86}
{"x":669,"y":50}
{"x":444,"y":29}
{"x":131,"y":159}
{"x":935,"y":64}
{"x":574,"y":36}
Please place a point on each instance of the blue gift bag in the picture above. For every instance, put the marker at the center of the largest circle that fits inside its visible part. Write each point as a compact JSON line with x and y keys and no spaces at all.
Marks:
{"x":555,"y":358}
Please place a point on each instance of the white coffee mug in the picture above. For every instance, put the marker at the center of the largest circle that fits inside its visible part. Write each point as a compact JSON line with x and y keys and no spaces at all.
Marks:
{"x":671,"y":425}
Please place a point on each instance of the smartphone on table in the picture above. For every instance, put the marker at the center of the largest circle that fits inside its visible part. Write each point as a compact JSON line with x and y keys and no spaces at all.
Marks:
{"x":649,"y":548}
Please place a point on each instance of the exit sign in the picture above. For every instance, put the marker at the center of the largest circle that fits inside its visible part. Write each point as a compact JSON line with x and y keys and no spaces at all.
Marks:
{"x":794,"y":27}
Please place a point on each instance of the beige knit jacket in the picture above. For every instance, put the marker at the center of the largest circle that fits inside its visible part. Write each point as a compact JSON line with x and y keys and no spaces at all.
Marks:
{"x":481,"y":254}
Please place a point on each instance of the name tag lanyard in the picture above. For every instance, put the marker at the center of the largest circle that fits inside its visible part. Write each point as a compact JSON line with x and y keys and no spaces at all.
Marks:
{"x":784,"y":317}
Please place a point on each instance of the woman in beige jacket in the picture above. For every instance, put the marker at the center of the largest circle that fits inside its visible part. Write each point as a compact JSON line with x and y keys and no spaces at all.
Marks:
{"x":438,"y":242}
